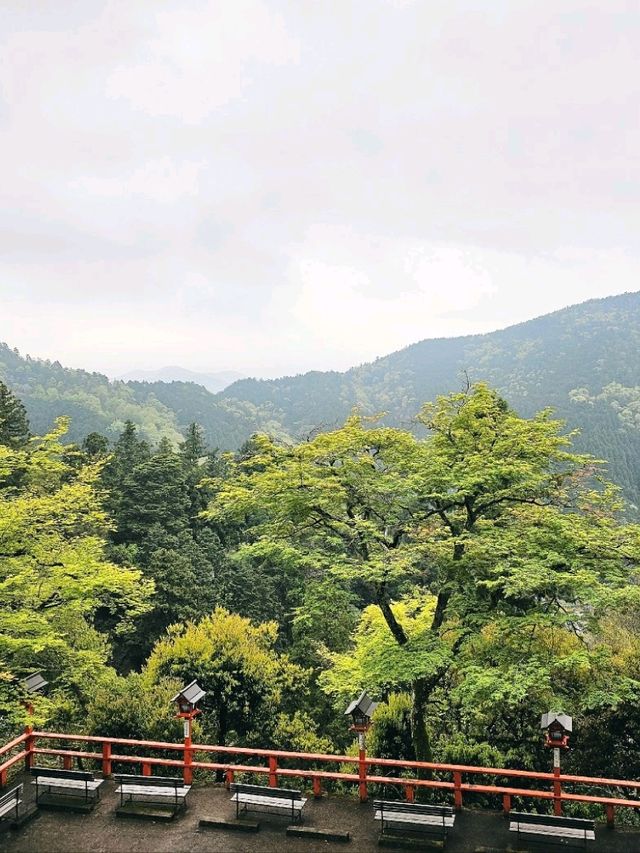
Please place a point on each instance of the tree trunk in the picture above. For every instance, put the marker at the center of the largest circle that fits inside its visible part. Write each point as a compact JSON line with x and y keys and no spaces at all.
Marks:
{"x":419,"y":731}
{"x":420,"y":693}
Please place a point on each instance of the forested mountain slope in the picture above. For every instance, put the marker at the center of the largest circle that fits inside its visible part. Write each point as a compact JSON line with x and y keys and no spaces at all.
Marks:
{"x":584,"y":361}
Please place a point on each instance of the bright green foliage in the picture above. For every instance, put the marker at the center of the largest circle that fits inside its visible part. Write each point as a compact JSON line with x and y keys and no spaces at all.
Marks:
{"x":377,"y":662}
{"x":298,"y":732}
{"x":248,"y":683}
{"x":135,"y":708}
{"x":390,"y":735}
{"x":491,"y":514}
{"x":57,"y":589}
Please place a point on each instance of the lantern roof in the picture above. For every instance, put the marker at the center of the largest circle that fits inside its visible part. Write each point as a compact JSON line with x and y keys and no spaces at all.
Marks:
{"x":192,"y":693}
{"x":362,"y":705}
{"x":34,"y":683}
{"x":556,"y":717}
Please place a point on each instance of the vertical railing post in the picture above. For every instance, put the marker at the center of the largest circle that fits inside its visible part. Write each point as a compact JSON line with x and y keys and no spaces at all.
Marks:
{"x":273,"y":771}
{"x":67,"y":762}
{"x":317,"y":787}
{"x":410,"y":793}
{"x":29,"y":745}
{"x":610,"y":810}
{"x":362,"y":768}
{"x":457,"y":790}
{"x":506,"y":803}
{"x":557,"y":784}
{"x":106,"y":759}
{"x":146,"y":768}
{"x":229,"y":776}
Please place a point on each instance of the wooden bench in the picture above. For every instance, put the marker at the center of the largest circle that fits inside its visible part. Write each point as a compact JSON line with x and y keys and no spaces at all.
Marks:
{"x":275,"y":800}
{"x":167,"y":791}
{"x":413,"y":817}
{"x":548,"y":827}
{"x":78,"y":785}
{"x":11,"y":802}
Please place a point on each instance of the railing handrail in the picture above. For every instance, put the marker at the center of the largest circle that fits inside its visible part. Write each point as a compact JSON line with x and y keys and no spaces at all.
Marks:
{"x":13,"y":743}
{"x":189,"y":753}
{"x":340,"y":759}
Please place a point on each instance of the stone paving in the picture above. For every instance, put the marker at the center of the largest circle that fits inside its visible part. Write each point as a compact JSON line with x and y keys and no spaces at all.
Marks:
{"x":103,"y":832}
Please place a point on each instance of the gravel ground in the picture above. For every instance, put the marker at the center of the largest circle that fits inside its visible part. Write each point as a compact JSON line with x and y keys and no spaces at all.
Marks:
{"x":102,"y":832}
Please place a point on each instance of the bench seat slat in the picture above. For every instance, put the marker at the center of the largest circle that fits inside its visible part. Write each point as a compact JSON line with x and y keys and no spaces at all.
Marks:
{"x":403,"y":817}
{"x":411,"y":808}
{"x":156,"y":781}
{"x":5,"y":808}
{"x":552,"y":820}
{"x":160,"y":791}
{"x":552,"y":831}
{"x":276,"y":802}
{"x":262,"y":791}
{"x":11,"y":795}
{"x":54,"y":782}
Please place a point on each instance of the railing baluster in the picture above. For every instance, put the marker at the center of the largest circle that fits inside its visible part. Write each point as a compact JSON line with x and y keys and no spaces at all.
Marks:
{"x":138,"y":752}
{"x":273,"y":771}
{"x":106,"y":759}
{"x":457,"y":791}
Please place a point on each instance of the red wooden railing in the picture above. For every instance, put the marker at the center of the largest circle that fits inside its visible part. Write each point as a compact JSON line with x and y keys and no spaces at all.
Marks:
{"x":189,"y":757}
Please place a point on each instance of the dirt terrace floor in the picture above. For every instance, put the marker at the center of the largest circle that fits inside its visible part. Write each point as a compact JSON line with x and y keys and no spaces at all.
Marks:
{"x":102,"y":832}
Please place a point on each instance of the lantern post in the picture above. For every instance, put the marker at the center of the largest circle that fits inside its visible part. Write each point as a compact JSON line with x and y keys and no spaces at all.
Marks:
{"x":186,"y":701}
{"x":361,"y":710}
{"x":557,"y":728}
{"x":33,"y":685}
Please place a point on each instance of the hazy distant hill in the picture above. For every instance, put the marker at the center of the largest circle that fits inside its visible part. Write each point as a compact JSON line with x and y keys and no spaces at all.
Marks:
{"x":584,"y":361}
{"x":213,"y":382}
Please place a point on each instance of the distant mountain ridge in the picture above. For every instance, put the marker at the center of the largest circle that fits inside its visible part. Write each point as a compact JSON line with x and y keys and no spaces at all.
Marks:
{"x":584,"y":361}
{"x":214,"y":382}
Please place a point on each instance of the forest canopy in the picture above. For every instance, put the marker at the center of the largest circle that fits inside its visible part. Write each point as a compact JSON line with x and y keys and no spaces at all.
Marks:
{"x":469,"y":577}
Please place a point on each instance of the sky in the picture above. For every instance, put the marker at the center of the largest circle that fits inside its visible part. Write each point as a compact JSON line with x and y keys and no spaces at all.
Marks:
{"x":273,"y":186}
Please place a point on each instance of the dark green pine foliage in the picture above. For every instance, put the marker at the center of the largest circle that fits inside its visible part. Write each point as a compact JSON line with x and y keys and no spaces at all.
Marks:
{"x":155,"y":501}
{"x":14,"y":425}
{"x":95,"y":445}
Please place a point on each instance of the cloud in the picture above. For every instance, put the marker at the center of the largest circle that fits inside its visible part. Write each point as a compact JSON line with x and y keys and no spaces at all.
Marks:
{"x":275,"y":186}
{"x":198,"y":59}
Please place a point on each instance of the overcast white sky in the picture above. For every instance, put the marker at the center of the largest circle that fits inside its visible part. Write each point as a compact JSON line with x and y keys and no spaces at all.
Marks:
{"x":278,"y":185}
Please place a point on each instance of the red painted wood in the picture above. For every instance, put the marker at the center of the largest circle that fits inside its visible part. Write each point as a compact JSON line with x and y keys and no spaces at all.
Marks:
{"x":273,"y":771}
{"x":29,"y":744}
{"x":362,"y":775}
{"x":557,"y":793}
{"x":106,"y":759}
{"x":363,"y":765}
{"x":187,"y":770}
{"x":457,"y":790}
